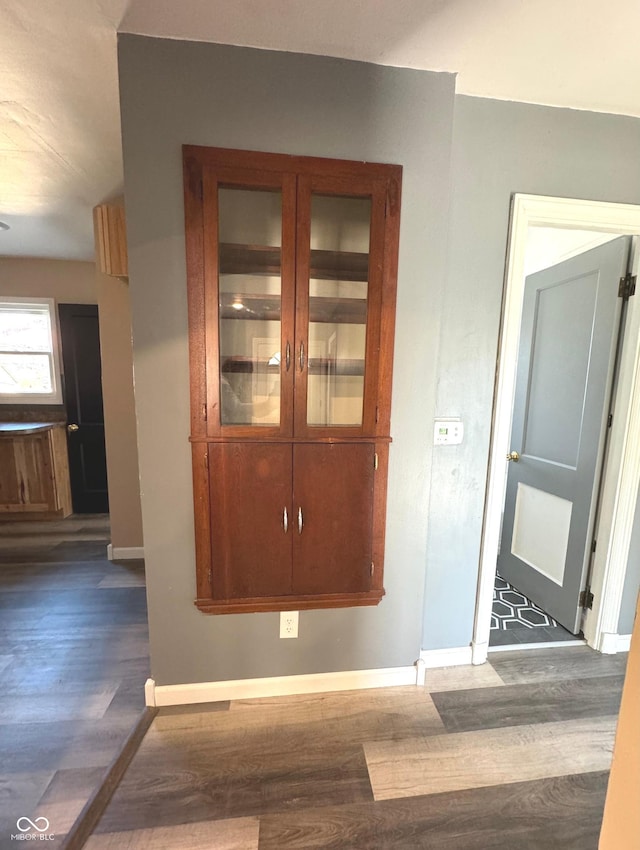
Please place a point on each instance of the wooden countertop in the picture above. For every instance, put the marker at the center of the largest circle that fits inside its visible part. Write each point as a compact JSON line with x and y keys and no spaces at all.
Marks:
{"x":18,"y":429}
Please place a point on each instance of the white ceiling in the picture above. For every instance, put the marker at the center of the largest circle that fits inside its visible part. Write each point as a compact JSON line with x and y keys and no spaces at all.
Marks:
{"x":59,"y":123}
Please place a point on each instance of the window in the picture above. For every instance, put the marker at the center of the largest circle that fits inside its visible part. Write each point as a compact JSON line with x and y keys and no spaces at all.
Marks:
{"x":29,"y":370}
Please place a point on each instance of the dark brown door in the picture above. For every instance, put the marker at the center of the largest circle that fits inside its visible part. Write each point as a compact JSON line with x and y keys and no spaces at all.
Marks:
{"x":333,"y":513}
{"x":83,"y":399}
{"x":250,"y":532}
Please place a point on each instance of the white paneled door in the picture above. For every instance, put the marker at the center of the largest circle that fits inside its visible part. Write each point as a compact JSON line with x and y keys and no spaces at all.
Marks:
{"x":568,"y":341}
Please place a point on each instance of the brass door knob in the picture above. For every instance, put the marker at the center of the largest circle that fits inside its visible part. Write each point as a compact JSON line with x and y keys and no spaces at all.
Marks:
{"x":73,"y":427}
{"x":514,"y":456}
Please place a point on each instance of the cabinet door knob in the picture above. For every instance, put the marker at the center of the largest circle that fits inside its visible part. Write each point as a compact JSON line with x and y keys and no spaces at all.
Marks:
{"x":301,"y":356}
{"x":285,"y":521}
{"x":300,"y":521}
{"x":73,"y":427}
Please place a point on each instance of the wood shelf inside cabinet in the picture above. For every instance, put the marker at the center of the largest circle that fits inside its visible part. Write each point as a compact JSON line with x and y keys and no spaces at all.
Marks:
{"x":260,"y":308}
{"x":317,"y":366}
{"x":265,"y":260}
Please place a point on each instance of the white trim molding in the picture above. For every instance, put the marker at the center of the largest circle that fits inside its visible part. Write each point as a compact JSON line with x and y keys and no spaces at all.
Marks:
{"x":624,"y":643}
{"x":124,"y":553}
{"x":620,"y":483}
{"x":455,"y":657}
{"x":479,"y":652}
{"x":552,"y":644}
{"x":611,"y":643}
{"x":310,"y":683}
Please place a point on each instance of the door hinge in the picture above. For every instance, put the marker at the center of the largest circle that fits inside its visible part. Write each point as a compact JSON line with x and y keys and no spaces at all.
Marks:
{"x":627,"y":286}
{"x":593,"y":546}
{"x":609,"y":420}
{"x":206,"y":460}
{"x":375,"y":460}
{"x":585,"y":600}
{"x":377,"y":414}
{"x":204,"y":412}
{"x":201,"y":190}
{"x":372,"y":569}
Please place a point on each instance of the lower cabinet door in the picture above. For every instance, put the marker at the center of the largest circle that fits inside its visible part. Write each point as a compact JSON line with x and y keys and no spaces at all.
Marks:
{"x":250,"y":489}
{"x":333,"y":516}
{"x":26,"y":479}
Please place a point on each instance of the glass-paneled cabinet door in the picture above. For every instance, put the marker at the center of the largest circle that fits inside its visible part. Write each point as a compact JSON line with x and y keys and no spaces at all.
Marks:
{"x":338,"y":308}
{"x":251,"y":375}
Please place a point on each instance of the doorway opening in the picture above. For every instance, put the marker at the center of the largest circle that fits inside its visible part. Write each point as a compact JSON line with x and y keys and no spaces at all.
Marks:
{"x":544,"y":525}
{"x":571,"y":325}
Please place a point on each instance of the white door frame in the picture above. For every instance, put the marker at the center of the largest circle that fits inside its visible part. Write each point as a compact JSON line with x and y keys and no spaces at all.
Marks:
{"x":622,"y":468}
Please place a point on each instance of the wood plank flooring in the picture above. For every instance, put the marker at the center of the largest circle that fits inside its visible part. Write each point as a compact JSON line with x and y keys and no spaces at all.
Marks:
{"x":73,"y":662}
{"x":513,"y":754}
{"x":468,"y":759}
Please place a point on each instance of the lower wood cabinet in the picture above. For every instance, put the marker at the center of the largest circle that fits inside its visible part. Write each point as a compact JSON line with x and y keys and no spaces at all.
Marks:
{"x":332,"y":534}
{"x":250,"y":488}
{"x":288,"y":521}
{"x":34,"y":471}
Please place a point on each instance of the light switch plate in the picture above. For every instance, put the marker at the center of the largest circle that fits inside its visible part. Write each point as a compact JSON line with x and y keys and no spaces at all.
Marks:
{"x":448,"y":432}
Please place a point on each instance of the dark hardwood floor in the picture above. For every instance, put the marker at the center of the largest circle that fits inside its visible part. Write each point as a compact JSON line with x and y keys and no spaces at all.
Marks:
{"x":513,"y":754}
{"x":73,"y":662}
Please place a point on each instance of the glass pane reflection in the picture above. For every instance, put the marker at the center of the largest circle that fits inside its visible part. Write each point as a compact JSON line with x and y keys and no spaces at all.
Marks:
{"x":250,"y":227}
{"x":337,"y":309}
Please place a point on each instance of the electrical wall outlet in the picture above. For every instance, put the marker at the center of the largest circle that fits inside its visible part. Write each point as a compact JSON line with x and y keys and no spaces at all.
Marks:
{"x":288,"y":624}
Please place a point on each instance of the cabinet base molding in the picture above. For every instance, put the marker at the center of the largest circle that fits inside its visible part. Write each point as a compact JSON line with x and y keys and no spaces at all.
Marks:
{"x":289,"y":603}
{"x":124,"y":553}
{"x":446,"y":657}
{"x":310,"y":683}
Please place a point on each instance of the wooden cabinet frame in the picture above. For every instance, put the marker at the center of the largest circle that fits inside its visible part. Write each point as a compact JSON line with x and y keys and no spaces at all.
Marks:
{"x":34,"y":472}
{"x":296,"y":178}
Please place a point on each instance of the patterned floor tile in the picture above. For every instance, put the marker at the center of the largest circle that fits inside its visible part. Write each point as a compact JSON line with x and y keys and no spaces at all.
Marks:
{"x":513,"y":610}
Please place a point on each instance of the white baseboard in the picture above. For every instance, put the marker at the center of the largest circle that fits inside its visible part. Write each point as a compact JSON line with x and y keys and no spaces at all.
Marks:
{"x":624,"y":643}
{"x":446,"y":657}
{"x":479,"y":652}
{"x":124,"y":553}
{"x":611,"y":643}
{"x":311,"y":683}
{"x":608,"y":643}
{"x":150,"y":692}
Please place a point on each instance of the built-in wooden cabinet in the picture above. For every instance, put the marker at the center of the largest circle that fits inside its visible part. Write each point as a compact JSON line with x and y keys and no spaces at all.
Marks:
{"x":291,"y":266}
{"x":34,"y":471}
{"x":111,"y":240}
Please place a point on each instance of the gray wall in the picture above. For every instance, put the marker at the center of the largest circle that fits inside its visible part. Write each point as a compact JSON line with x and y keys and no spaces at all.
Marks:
{"x":499,"y":148}
{"x":176,"y":92}
{"x":449,"y":301}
